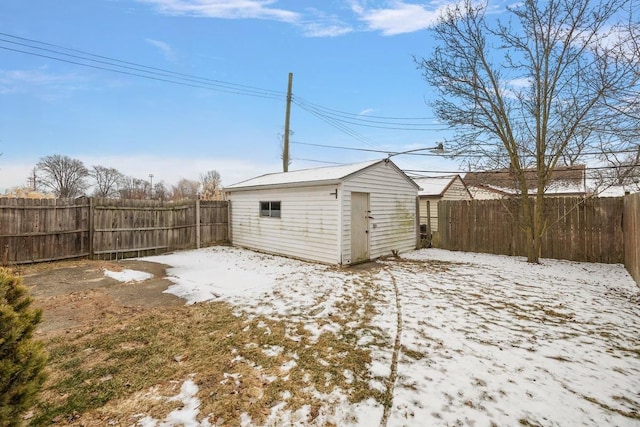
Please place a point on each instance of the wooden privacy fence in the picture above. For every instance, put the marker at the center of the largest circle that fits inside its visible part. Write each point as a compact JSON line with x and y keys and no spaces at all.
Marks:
{"x":43,"y":229}
{"x":631,"y":226}
{"x":35,"y":230}
{"x":580,"y":229}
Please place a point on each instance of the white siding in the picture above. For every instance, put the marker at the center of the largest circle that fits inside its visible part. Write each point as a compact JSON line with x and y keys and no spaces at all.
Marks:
{"x":393,"y":208}
{"x":456,"y":191}
{"x":482,"y":194}
{"x":307,"y":229}
{"x":433,"y":204}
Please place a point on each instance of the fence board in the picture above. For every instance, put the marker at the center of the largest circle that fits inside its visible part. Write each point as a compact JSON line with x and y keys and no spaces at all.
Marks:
{"x":631,"y":225}
{"x":578,"y":229}
{"x":43,"y":229}
{"x":33,"y":230}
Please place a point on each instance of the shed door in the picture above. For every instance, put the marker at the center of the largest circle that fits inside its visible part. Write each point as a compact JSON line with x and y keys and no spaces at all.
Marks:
{"x":359,"y":227}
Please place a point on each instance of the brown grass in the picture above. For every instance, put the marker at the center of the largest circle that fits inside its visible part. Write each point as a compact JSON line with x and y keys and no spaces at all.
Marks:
{"x":123,"y":367}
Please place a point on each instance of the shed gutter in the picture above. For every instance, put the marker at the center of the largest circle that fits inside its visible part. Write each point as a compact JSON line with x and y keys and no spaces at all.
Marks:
{"x":285,"y":185}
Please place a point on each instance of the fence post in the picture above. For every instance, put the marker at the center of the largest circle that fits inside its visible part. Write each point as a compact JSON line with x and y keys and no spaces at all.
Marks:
{"x":197,"y":223}
{"x":429,"y":233}
{"x":91,"y":227}
{"x":229,"y":226}
{"x":418,"y":222}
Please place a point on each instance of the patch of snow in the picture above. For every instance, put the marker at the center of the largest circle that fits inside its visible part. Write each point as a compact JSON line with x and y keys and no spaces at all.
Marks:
{"x":348,"y":375}
{"x":186,"y":415}
{"x":287,"y":366}
{"x":485,"y":339}
{"x":273,"y":351}
{"x":316,"y":331}
{"x":127,"y":276}
{"x":245,"y":420}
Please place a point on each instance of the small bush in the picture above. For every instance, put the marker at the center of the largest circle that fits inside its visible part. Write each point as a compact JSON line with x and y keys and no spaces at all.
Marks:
{"x":22,"y":360}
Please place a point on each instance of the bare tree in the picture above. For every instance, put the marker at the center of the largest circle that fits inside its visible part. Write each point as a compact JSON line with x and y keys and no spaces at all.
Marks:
{"x":134,"y":188}
{"x":64,"y":176}
{"x":160,"y":191}
{"x":621,"y":171}
{"x":210,"y":185}
{"x":536,"y":89}
{"x":185,"y":189}
{"x":107,"y":181}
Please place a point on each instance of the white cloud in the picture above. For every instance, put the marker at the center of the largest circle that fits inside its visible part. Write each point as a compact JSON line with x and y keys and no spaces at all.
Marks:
{"x":227,"y":9}
{"x":12,"y":81}
{"x":399,"y":18}
{"x":396,"y":17}
{"x":366,"y":111}
{"x":522,"y":82}
{"x":326,"y":30}
{"x":166,"y":50}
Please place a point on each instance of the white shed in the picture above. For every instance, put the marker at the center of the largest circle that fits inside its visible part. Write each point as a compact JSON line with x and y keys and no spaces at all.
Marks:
{"x":336,"y":215}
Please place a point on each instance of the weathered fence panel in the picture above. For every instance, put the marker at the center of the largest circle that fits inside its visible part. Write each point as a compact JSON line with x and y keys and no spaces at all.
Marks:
{"x":125,"y":228}
{"x":579,"y":229}
{"x":33,"y":230}
{"x":214,"y":221}
{"x":631,"y":226}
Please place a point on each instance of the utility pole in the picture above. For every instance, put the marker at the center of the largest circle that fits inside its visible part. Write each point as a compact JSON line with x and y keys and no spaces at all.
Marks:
{"x":285,"y":149}
{"x":32,"y":180}
{"x":151,"y":186}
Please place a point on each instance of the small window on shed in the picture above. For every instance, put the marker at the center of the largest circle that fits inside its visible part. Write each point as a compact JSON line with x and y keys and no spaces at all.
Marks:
{"x":270,"y":209}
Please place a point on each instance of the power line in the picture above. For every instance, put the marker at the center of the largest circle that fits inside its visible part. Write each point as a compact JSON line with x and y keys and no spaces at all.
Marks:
{"x":586,"y":168}
{"x":152,"y":73}
{"x":341,"y":127}
{"x":105,"y":63}
{"x":376,"y":124}
{"x":479,"y":155}
{"x":368,"y":149}
{"x":347,"y":114}
{"x":319,"y":161}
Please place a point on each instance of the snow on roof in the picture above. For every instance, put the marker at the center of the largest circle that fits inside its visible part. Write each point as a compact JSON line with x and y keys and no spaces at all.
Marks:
{"x":323,"y":174}
{"x":565,"y":187}
{"x":612,"y":190}
{"x":565,"y":180}
{"x":434,"y":185}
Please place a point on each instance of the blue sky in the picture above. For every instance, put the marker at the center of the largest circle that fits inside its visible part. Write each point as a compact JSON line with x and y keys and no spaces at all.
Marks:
{"x":354,"y":57}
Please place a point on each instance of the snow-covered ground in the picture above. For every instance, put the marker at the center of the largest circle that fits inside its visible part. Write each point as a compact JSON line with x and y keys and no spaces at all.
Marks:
{"x":469,"y":339}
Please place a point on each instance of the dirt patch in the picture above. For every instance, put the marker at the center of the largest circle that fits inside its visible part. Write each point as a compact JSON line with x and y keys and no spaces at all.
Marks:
{"x":75,"y":295}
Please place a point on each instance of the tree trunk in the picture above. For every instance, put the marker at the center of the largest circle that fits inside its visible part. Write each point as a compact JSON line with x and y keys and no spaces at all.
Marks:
{"x":533,"y":249}
{"x":538,"y":228}
{"x":533,"y":226}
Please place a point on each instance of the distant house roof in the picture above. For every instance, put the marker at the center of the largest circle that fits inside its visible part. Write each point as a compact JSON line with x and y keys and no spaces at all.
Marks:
{"x":316,"y":176}
{"x":613,"y":190}
{"x":568,"y":180}
{"x":436,"y":186}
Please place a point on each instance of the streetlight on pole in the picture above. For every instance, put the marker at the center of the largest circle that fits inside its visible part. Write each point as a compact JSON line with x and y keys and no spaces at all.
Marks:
{"x":151,"y":185}
{"x":438,"y":149}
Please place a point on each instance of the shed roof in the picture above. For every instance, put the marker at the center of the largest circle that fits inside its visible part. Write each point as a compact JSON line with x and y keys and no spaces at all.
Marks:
{"x":435,"y":185}
{"x":315,"y":176}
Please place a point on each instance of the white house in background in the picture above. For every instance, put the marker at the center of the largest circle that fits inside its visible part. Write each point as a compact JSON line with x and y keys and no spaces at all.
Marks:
{"x":615,"y":190}
{"x":336,"y":215}
{"x":434,"y":189}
